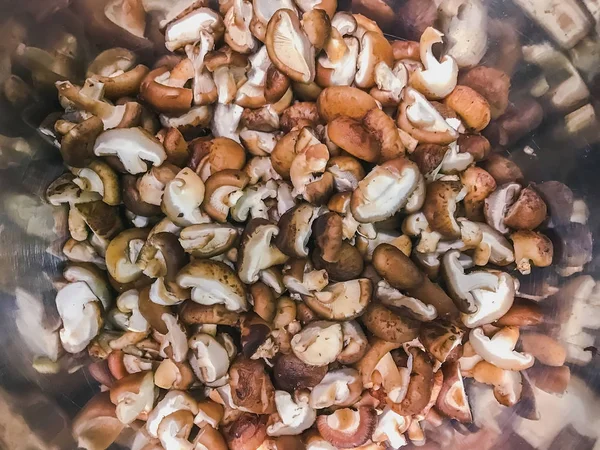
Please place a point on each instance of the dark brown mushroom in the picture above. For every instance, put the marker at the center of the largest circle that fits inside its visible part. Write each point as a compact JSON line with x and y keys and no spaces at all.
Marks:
{"x":251,"y":387}
{"x":291,"y":374}
{"x":389,"y":326}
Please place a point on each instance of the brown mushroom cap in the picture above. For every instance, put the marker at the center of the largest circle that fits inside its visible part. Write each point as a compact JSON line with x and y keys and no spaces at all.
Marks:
{"x":440,"y":206}
{"x":528,"y":212}
{"x":291,"y":374}
{"x":523,"y":313}
{"x":299,"y":115}
{"x":492,"y":84}
{"x":346,"y":101}
{"x":559,"y":200}
{"x":276,"y":85}
{"x":215,"y":155}
{"x":163,"y":98}
{"x":421,"y":383}
{"x":553,"y":380}
{"x":251,"y":387}
{"x":229,"y":177}
{"x":452,"y":399}
{"x":476,"y":145}
{"x":441,"y":339}
{"x":349,"y":265}
{"x":531,"y":248}
{"x":96,"y":425}
{"x":344,"y":301}
{"x":344,"y":435}
{"x":77,"y":146}
{"x":192,"y":313}
{"x":389,"y":326}
{"x":502,"y":169}
{"x":133,"y":200}
{"x":295,"y":230}
{"x":284,"y":153}
{"x":480,"y":184}
{"x":327,"y":230}
{"x":544,"y":348}
{"x":247,"y":432}
{"x":472,"y":108}
{"x":153,"y":312}
{"x":429,"y":157}
{"x":351,"y":136}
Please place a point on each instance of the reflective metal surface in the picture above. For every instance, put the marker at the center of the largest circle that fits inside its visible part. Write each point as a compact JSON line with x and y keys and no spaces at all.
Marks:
{"x":38,"y":407}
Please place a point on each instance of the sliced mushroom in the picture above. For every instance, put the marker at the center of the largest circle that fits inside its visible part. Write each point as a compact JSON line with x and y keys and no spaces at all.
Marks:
{"x":134,"y":396}
{"x":208,"y":240}
{"x":213,"y":283}
{"x":393,"y":298}
{"x":507,"y":384}
{"x":391,"y":427}
{"x":319,"y":343}
{"x":341,"y":301}
{"x":442,"y":340}
{"x":440,"y":206}
{"x":188,"y":29}
{"x":291,"y":373}
{"x":499,"y":350}
{"x":222,"y":190}
{"x":96,"y":425}
{"x":387,"y":324}
{"x":348,"y":428}
{"x":531,"y":248}
{"x":347,"y":101}
{"x":452,"y":400}
{"x":209,"y":358}
{"x":296,"y":415}
{"x":251,"y":388}
{"x":338,"y":388}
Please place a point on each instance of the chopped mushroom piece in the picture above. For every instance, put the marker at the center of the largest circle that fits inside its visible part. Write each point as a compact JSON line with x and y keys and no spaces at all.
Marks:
{"x":499,"y":350}
{"x":341,"y":301}
{"x":134,"y":396}
{"x":348,"y":428}
{"x":340,"y":387}
{"x":296,"y":415}
{"x":319,"y":343}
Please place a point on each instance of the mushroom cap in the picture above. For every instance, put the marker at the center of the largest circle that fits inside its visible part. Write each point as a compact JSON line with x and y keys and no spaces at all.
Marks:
{"x":421,"y":383}
{"x":251,"y":388}
{"x":134,"y":396}
{"x":319,"y":343}
{"x":346,"y":101}
{"x":215,"y":155}
{"x":221,"y":190}
{"x":348,"y":267}
{"x":289,"y":48}
{"x":527,"y":212}
{"x":351,"y":136}
{"x":96,"y":425}
{"x":292,"y":374}
{"x":212,"y":283}
{"x":164,"y":98}
{"x":531,"y":247}
{"x":295,"y":229}
{"x":246,"y":432}
{"x":499,"y":350}
{"x":386,"y":324}
{"x":492,"y":84}
{"x":472,"y":108}
{"x":341,"y":301}
{"x":77,"y":146}
{"x":452,"y":400}
{"x":208,"y":240}
{"x":188,"y":29}
{"x":374,"y":49}
{"x":441,"y":339}
{"x":121,"y":255}
{"x":340,"y":387}
{"x":348,"y":428}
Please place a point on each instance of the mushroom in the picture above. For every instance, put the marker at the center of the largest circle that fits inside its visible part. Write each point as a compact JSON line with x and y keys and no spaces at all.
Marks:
{"x":480,"y":184}
{"x":93,"y":277}
{"x":351,"y":136}
{"x":421,"y":383}
{"x":508,"y":384}
{"x":493,"y":248}
{"x":134,"y":396}
{"x":319,"y":343}
{"x":347,"y":101}
{"x":165,"y":89}
{"x":189,"y":28}
{"x":247,"y":432}
{"x":374,"y":48}
{"x":299,"y":115}
{"x":226,"y":121}
{"x":208,"y":240}
{"x":385,"y":190}
{"x":492,"y":84}
{"x":257,"y":251}
{"x":465,"y":25}
{"x":81,"y":315}
{"x":116,"y":68}
{"x":328,"y":232}
{"x":291,"y":374}
{"x":209,"y":358}
{"x":440,"y":205}
{"x":173,"y":375}
{"x":182,"y":198}
{"x":229,"y":72}
{"x":251,"y":388}
{"x":237,"y":27}
{"x":348,"y":428}
{"x":101,"y":178}
{"x":391,"y":427}
{"x":348,"y":267}
{"x":127,"y":303}
{"x":527,"y":212}
{"x":387,"y":324}
{"x":133,"y":146}
{"x":442,"y":340}
{"x":452,"y":400}
{"x":122,"y":254}
{"x":544,"y":349}
{"x":472,"y":108}
{"x":96,"y":426}
{"x":341,"y":301}
{"x":461,"y":286}
{"x":307,"y":168}
{"x":289,"y":48}
{"x":336,"y":67}
{"x":222,"y":190}
{"x":422,"y":121}
{"x":295,"y":228}
{"x":384,"y":129}
{"x":340,"y":388}
{"x":531,"y":248}
{"x":172,"y":402}
{"x":499,"y":350}
{"x":296,"y":415}
{"x":213,"y":283}
{"x":76,"y":146}
{"x":439,"y":78}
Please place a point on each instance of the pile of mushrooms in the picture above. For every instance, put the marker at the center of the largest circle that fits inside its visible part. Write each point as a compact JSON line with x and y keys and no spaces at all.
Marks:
{"x":292,"y":233}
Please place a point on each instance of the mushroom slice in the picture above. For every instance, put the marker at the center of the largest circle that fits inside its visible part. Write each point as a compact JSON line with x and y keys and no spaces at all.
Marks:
{"x":128,"y":303}
{"x":452,"y":399}
{"x":96,"y":425}
{"x":257,"y":251}
{"x":341,"y":301}
{"x":175,"y":429}
{"x":319,"y":343}
{"x":384,"y":191}
{"x":422,"y":121}
{"x":208,"y":240}
{"x":348,"y":428}
{"x":508,"y":384}
{"x":252,"y":201}
{"x":439,"y":78}
{"x":465,"y":25}
{"x":390,"y":83}
{"x":289,"y":48}
{"x":263,"y":11}
{"x":391,"y":427}
{"x":93,"y":277}
{"x":251,"y":387}
{"x":374,"y":48}
{"x":133,"y":146}
{"x":491,"y":304}
{"x":295,"y":229}
{"x":81,"y":314}
{"x":307,"y":167}
{"x":355,"y":343}
{"x":498,"y":204}
{"x":237,"y":27}
{"x":101,"y":178}
{"x":393,"y":380}
{"x":342,"y":72}
{"x":222,"y":190}
{"x":134,"y":396}
{"x":209,"y":358}
{"x":296,"y":415}
{"x":340,"y":387}
{"x":299,"y":277}
{"x":441,"y":339}
{"x":391,"y":297}
{"x":213,"y":283}
{"x":531,"y":248}
{"x":65,"y":190}
{"x":188,"y":29}
{"x":172,"y":402}
{"x":461,"y":285}
{"x":499,"y":350}
{"x":494,"y":248}
{"x":122,"y":254}
{"x":182,"y":199}
{"x":440,"y":206}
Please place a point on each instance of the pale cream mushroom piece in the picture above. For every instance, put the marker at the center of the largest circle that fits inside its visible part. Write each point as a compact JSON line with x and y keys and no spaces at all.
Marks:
{"x":203,"y":86}
{"x":390,"y":429}
{"x":319,"y":343}
{"x":307,"y":167}
{"x":341,"y":301}
{"x":260,"y":168}
{"x":226,"y":121}
{"x":300,"y":278}
{"x":127,"y":303}
{"x":494,"y":248}
{"x":134,"y":395}
{"x":259,"y":143}
{"x":422,"y":121}
{"x":188,"y":29}
{"x":465,"y":23}
{"x":151,"y":185}
{"x":389,"y":296}
{"x":197,"y":116}
{"x":174,"y":431}
{"x":172,"y":402}
{"x":237,"y":27}
{"x":417,"y":225}
{"x":94,"y":278}
{"x":208,"y":240}
{"x":289,"y":48}
{"x":455,"y":161}
{"x":182,"y":198}
{"x":341,"y":72}
{"x":499,"y":349}
{"x":252,"y":202}
{"x":341,"y":387}
{"x":263,"y":11}
{"x":133,"y":146}
{"x":497,"y":205}
{"x":439,"y":78}
{"x":83,"y":252}
{"x":81,"y":314}
{"x":175,"y":338}
{"x":491,"y":304}
{"x":169,"y":10}
{"x":390,"y":82}
{"x":213,"y":283}
{"x":252,"y":93}
{"x":296,"y":415}
{"x":384,"y":191}
{"x":374,"y":48}
{"x":209,"y":358}
{"x":101,"y":178}
{"x":257,"y":251}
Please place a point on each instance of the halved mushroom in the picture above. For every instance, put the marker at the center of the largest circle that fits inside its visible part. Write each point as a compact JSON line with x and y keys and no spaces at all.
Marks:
{"x":209,"y":358}
{"x":384,"y":190}
{"x":319,"y":343}
{"x":96,"y":426}
{"x":81,"y":314}
{"x":165,"y":89}
{"x":340,"y":388}
{"x":442,"y":340}
{"x":182,"y":198}
{"x":480,"y":184}
{"x":452,"y":400}
{"x":295,"y":228}
{"x":508,"y":384}
{"x":251,"y":387}
{"x":499,"y":350}
{"x":172,"y":402}
{"x":116,"y":68}
{"x":134,"y":396}
{"x":188,"y":29}
{"x":391,"y":427}
{"x":213,"y":283}
{"x":341,"y":301}
{"x":222,"y":190}
{"x":257,"y":252}
{"x":300,"y":278}
{"x":374,"y":49}
{"x":289,"y":48}
{"x":93,"y":277}
{"x":465,"y":25}
{"x":307,"y":168}
{"x":263,"y":11}
{"x":291,"y":374}
{"x":172,"y":375}
{"x":175,"y":429}
{"x":419,"y":118}
{"x":127,"y":303}
{"x":493,"y":248}
{"x":133,"y":146}
{"x":333,"y":69}
{"x":531,"y":248}
{"x":252,"y":202}
{"x":393,"y":298}
{"x":296,"y":415}
{"x":439,"y":78}
{"x":101,"y":178}
{"x":237,"y":27}
{"x":152,"y":184}
{"x":348,"y":428}
{"x":208,"y":240}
